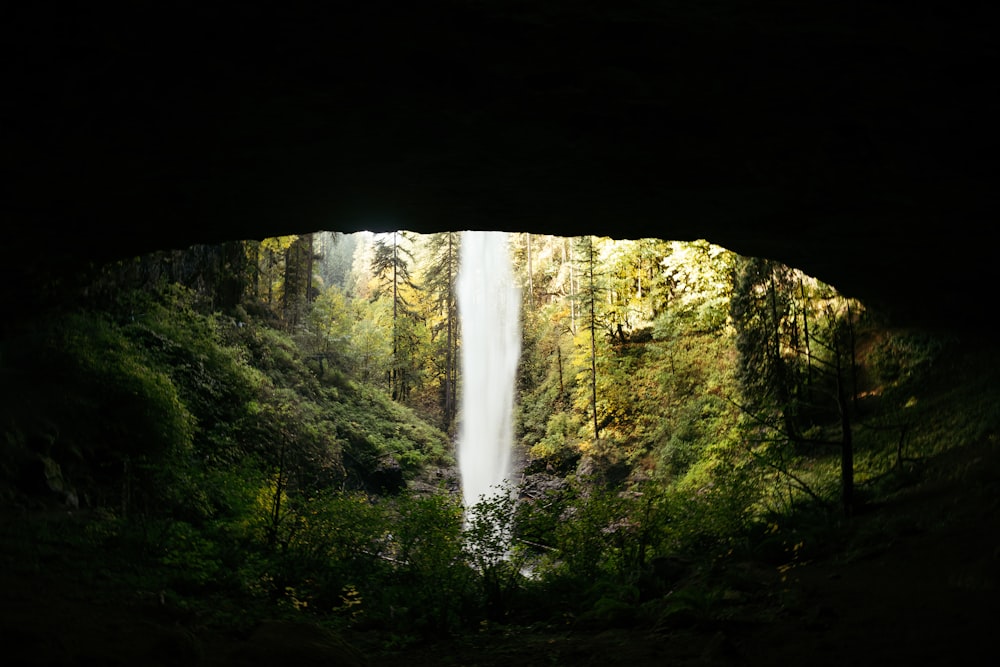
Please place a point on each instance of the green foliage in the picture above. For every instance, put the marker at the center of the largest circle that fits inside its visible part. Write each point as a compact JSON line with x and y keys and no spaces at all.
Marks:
{"x":715,"y":502}
{"x":760,"y":309}
{"x":667,"y":345}
{"x":330,"y":542}
{"x":371,"y":342}
{"x":493,"y":552}
{"x":427,"y":543}
{"x":560,"y":444}
{"x":114,"y":417}
{"x":903,"y":356}
{"x":206,"y":362}
{"x":582,"y":538}
{"x":441,"y":315}
{"x":221,"y":459}
{"x":329,"y":324}
{"x":698,"y":275}
{"x":390,"y":267}
{"x":191,"y":557}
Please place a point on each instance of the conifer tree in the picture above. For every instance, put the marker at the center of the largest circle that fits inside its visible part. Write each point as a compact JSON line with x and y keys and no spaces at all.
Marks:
{"x":588,"y":296}
{"x":298,"y":291}
{"x":391,"y":268}
{"x":771,"y":360}
{"x":439,"y":283}
{"x":273,"y":275}
{"x":760,"y":307}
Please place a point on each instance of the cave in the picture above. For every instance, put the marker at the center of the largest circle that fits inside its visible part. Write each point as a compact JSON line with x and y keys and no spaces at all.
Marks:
{"x":852,"y":143}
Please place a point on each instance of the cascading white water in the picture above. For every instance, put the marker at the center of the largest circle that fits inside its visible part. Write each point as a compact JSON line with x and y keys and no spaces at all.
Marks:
{"x":489,"y":312}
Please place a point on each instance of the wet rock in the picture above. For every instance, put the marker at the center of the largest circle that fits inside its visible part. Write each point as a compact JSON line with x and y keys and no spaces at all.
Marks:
{"x":387,"y":478}
{"x":538,"y":484}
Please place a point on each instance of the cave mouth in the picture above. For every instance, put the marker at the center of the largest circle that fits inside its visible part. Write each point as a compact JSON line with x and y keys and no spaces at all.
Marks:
{"x":856,"y":145}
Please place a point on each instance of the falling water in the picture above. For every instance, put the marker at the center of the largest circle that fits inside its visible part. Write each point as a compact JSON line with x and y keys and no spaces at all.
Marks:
{"x":489,"y":311}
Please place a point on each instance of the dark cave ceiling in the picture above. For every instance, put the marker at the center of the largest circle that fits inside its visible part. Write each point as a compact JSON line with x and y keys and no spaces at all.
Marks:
{"x":855,"y":141}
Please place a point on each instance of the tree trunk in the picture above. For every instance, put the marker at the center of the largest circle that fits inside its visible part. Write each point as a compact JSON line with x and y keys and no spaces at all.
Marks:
{"x":847,"y":441}
{"x":394,"y":379}
{"x":572,"y":289}
{"x":450,"y":371}
{"x":805,"y":333}
{"x":593,"y":338}
{"x":308,"y":241}
{"x":562,"y":388}
{"x":531,"y":288}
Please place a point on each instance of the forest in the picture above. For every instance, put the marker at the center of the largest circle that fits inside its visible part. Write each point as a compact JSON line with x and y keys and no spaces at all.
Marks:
{"x":251,"y":447}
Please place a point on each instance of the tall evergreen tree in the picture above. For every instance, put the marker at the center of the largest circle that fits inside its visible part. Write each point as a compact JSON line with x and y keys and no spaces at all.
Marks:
{"x":333,"y":256}
{"x":530,"y":269}
{"x":391,"y":267}
{"x":588,"y":297}
{"x":760,"y":307}
{"x":298,"y":291}
{"x":272,"y":273}
{"x":773,"y":360}
{"x":439,"y":283}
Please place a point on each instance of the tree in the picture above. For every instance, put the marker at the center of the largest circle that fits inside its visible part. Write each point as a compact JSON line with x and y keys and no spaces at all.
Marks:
{"x":760,"y":309}
{"x":298,"y":290}
{"x":370,"y":344}
{"x":439,"y":284}
{"x":794,"y":372}
{"x":531,"y":284}
{"x":272,"y":255}
{"x":623,"y":264}
{"x":836,"y":365}
{"x":329,"y":323}
{"x":391,"y":269}
{"x":588,"y":297}
{"x":335,"y":251}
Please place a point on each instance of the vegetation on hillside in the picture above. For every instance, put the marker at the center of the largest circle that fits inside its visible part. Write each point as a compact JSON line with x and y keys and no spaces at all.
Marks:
{"x":261,"y":430}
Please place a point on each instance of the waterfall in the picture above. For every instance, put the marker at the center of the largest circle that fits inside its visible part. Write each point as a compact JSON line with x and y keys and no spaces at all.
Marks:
{"x":489,"y":313}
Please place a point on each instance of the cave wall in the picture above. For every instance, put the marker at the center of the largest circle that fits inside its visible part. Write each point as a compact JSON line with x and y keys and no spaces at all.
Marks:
{"x":855,"y":143}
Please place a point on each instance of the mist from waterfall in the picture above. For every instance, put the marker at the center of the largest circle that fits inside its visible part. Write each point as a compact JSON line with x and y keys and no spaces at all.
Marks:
{"x":489,"y":314}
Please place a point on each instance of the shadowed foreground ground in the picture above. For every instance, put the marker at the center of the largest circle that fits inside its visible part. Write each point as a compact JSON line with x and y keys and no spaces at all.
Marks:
{"x":915,"y":582}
